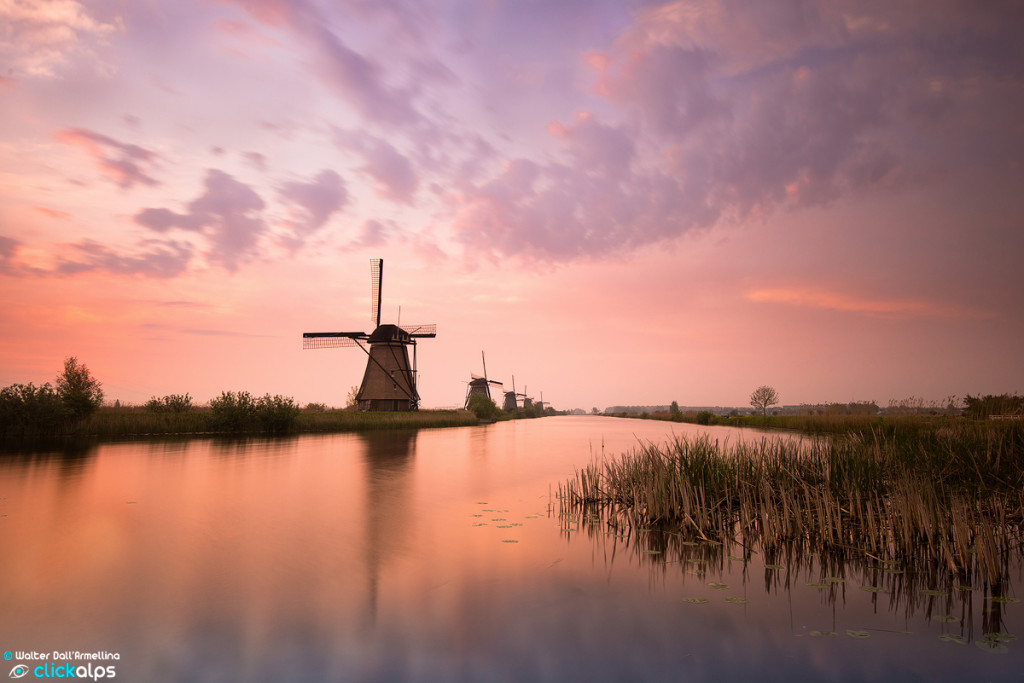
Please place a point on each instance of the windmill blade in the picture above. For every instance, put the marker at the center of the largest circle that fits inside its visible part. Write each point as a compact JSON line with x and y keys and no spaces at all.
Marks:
{"x":331,"y":340}
{"x":421,"y":330}
{"x":376,"y":284}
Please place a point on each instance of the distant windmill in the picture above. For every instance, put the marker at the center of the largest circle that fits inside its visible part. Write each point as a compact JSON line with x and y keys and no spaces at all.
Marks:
{"x":480,"y":385}
{"x":511,"y":404}
{"x":389,"y":382}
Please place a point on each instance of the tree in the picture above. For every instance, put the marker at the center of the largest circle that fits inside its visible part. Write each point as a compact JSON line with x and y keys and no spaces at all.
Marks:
{"x":80,"y":392}
{"x":674,"y":409}
{"x":763,"y":397}
{"x":350,"y":400}
{"x":483,"y":407}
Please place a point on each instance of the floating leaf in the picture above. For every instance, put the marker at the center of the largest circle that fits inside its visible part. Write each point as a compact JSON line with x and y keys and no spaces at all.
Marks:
{"x":934,"y":592}
{"x":947,"y":619}
{"x":476,"y":515}
{"x":504,"y":526}
{"x":952,"y":638}
{"x":992,"y":647}
{"x":696,"y":572}
{"x":1002,"y":599}
{"x":999,"y":637}
{"x":690,"y":543}
{"x":737,"y":601}
{"x":774,"y":566}
{"x":479,"y":523}
{"x":735,"y":559}
{"x":498,"y":519}
{"x":718,"y":586}
{"x":833,"y":579}
{"x":964,"y":588}
{"x":695,"y":601}
{"x":509,"y":540}
{"x":818,"y":585}
{"x":652,"y":552}
{"x":696,"y":560}
{"x":872,"y":589}
{"x":857,"y":634}
{"x":822,"y":633}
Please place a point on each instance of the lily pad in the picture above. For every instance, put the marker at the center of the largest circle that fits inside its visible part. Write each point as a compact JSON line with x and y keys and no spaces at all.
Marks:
{"x":1003,"y":599}
{"x":509,"y":540}
{"x":735,"y":559}
{"x":999,"y":637}
{"x":872,"y":589}
{"x":737,"y":601}
{"x":816,"y":633}
{"x":834,"y":579}
{"x":774,"y":566}
{"x":718,"y":586}
{"x":857,"y":634}
{"x":696,"y":601}
{"x":964,"y":588}
{"x":952,"y":638}
{"x":690,"y":543}
{"x":934,"y":592}
{"x":818,"y":585}
{"x":992,"y":646}
{"x":652,"y":552}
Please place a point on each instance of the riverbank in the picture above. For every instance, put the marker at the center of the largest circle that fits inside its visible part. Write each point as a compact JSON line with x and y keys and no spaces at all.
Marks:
{"x":130,"y":422}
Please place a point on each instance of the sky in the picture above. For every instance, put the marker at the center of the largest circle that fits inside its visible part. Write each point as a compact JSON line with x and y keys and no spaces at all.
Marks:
{"x":621,"y":202}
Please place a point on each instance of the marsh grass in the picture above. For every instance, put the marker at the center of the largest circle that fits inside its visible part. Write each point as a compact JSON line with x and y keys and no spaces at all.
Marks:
{"x":947,"y":495}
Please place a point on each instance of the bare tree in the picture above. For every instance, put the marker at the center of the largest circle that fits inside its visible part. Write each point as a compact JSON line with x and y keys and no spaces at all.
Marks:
{"x":763,"y":397}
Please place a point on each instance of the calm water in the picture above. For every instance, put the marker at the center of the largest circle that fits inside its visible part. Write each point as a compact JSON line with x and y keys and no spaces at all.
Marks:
{"x":436,"y":555}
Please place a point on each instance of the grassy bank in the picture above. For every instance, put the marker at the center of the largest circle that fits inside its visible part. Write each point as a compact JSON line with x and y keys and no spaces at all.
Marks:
{"x":139,"y":421}
{"x":921,"y":492}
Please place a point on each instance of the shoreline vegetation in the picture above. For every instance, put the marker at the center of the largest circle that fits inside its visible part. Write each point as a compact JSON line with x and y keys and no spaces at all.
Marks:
{"x":73,"y":408}
{"x":943,"y":493}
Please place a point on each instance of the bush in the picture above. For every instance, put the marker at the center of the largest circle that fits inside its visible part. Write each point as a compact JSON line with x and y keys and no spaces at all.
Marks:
{"x":483,"y":407}
{"x":240,"y":412}
{"x":28,"y":409}
{"x":172,"y":403}
{"x":705,"y":417}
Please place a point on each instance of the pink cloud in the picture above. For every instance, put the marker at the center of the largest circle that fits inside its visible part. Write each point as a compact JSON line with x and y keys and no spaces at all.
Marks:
{"x":314,"y":202}
{"x":392,"y":170}
{"x":815,"y":297}
{"x":228,"y":214}
{"x":157,"y":259}
{"x":125,"y":164}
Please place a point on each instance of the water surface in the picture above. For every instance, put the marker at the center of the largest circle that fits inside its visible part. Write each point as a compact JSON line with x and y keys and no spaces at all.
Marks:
{"x":437,"y":555}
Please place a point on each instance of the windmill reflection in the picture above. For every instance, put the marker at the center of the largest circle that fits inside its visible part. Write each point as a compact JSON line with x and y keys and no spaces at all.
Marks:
{"x":388,"y":458}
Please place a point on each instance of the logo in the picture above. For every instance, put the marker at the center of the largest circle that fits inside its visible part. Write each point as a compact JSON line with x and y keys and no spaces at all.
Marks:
{"x":19,"y":671}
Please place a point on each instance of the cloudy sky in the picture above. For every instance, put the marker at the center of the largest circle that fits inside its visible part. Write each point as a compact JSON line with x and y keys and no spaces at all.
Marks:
{"x":622,"y":202}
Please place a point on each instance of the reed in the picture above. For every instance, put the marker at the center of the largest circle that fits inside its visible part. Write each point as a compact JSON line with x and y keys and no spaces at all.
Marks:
{"x":947,"y":493}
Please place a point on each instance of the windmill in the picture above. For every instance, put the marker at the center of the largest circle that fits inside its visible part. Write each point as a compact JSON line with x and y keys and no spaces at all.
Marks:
{"x":389,"y":382}
{"x":480,"y":385}
{"x":511,"y":403}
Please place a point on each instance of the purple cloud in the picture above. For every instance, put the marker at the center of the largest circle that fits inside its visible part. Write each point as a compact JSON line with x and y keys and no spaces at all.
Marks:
{"x":353,"y":77}
{"x":124,"y":164}
{"x":313,"y":202}
{"x":8,"y":246}
{"x":159,"y":259}
{"x":393,"y":172}
{"x":228,"y":213}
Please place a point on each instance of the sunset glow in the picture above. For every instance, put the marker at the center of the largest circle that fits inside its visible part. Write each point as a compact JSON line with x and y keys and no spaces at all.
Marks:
{"x":621,"y":202}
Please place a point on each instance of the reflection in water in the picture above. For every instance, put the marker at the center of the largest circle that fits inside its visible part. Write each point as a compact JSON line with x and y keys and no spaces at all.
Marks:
{"x":932,"y":592}
{"x":387,"y":458}
{"x":428,"y":556}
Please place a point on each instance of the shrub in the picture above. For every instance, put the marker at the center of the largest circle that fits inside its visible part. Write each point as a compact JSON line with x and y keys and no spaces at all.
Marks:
{"x":28,"y":409}
{"x":276,"y":413}
{"x":705,"y":417}
{"x":240,"y":412}
{"x":172,"y":403}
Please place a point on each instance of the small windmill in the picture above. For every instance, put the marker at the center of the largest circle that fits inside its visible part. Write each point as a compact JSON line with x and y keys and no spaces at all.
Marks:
{"x":480,"y":385}
{"x":511,"y":402}
{"x":389,"y":382}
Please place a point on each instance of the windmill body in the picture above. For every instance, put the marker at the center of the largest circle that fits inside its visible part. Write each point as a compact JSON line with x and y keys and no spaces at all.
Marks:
{"x":481,"y":385}
{"x":389,"y":382}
